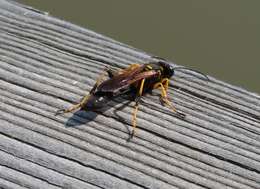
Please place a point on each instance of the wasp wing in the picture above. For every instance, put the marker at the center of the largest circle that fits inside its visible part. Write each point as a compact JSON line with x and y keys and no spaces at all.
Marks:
{"x":123,"y":81}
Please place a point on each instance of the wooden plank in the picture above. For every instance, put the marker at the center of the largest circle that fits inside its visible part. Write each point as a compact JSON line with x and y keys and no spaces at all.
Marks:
{"x":47,"y":64}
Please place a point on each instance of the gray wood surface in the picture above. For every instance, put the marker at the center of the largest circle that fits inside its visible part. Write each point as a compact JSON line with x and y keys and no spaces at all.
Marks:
{"x":47,"y":64}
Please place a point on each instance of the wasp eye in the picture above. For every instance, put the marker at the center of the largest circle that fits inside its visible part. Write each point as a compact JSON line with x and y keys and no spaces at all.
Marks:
{"x":172,"y":69}
{"x":167,"y":70}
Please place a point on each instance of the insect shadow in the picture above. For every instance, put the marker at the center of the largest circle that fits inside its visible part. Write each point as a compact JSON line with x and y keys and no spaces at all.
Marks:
{"x":83,"y":116}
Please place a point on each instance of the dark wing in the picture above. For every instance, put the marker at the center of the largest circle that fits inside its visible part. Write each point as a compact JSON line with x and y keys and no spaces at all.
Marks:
{"x":124,"y":80}
{"x":143,"y":75}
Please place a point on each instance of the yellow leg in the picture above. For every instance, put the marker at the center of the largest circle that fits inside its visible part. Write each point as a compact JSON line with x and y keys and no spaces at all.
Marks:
{"x":165,"y":99}
{"x":163,"y":91}
{"x":140,"y":92}
{"x":165,"y":82}
{"x":141,"y":87}
{"x":84,"y":99}
{"x":74,"y":107}
{"x":134,"y":119}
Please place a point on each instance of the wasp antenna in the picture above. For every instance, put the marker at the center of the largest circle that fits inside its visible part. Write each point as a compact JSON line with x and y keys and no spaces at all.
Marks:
{"x":196,"y":71}
{"x":159,"y":58}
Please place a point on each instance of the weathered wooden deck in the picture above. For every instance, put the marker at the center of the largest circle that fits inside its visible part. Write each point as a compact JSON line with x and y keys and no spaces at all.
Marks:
{"x":47,"y":64}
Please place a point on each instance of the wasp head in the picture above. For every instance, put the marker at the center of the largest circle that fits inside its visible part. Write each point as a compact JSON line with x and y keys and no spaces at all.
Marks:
{"x":167,"y":69}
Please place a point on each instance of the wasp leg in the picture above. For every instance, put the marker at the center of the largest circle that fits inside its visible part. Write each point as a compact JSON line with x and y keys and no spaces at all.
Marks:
{"x":135,"y":116}
{"x":165,"y":82}
{"x":111,"y":73}
{"x":137,"y":100}
{"x":165,"y":99}
{"x":74,"y":107}
{"x":84,"y":99}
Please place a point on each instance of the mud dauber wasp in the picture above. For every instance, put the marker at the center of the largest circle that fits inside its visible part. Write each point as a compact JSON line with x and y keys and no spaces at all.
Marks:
{"x":136,"y":80}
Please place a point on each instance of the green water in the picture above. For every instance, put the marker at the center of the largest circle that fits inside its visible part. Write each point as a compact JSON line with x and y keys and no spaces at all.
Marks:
{"x":220,"y":38}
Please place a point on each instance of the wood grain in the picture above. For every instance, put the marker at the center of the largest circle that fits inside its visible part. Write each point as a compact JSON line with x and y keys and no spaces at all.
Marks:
{"x":47,"y":64}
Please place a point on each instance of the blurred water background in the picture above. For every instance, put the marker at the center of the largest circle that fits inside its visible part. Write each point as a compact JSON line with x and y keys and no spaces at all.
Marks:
{"x":220,"y":38}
